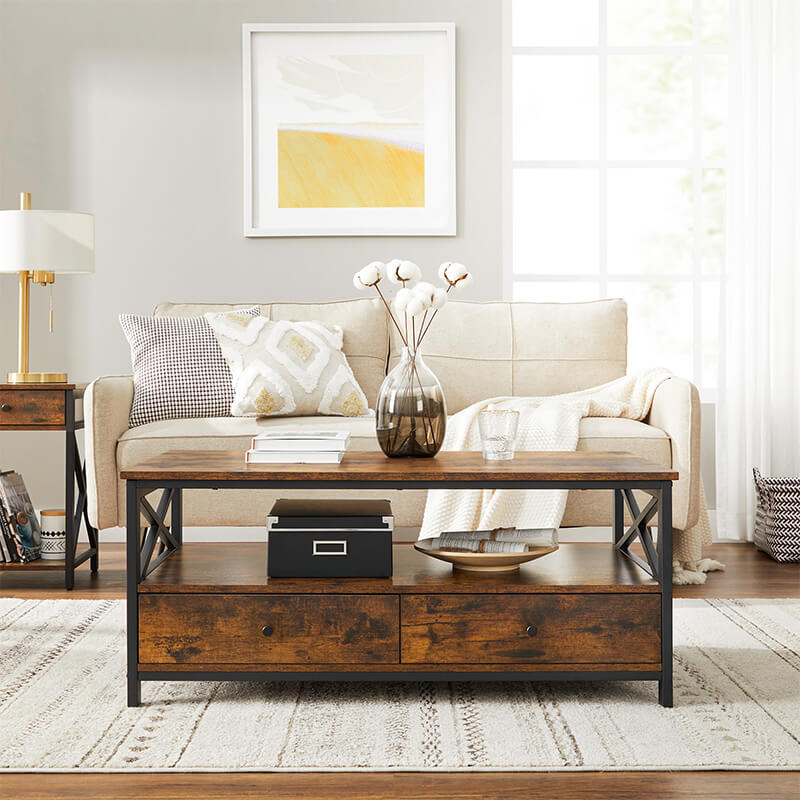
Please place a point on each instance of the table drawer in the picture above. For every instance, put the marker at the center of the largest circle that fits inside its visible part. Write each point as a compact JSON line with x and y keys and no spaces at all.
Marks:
{"x":31,"y":407}
{"x":300,"y":629}
{"x":508,"y":629}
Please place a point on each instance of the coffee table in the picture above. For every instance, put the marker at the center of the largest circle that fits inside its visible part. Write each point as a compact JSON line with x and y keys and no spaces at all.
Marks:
{"x":585,"y":612}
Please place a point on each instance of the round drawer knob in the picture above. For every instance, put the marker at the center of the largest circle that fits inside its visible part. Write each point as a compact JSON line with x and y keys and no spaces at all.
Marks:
{"x":267,"y":630}
{"x":5,"y":407}
{"x":531,"y":630}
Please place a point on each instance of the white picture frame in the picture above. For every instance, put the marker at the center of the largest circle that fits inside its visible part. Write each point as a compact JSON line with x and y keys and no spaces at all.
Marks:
{"x":295,"y":71}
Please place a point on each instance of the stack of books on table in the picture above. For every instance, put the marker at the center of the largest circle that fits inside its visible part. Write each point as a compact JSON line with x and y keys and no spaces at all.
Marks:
{"x":298,"y":447}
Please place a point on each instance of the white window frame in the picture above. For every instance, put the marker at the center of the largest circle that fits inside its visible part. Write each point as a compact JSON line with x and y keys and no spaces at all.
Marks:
{"x":697,"y":49}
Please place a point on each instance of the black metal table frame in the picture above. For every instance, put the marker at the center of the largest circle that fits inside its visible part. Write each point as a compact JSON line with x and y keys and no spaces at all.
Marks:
{"x":75,"y":508}
{"x":151,"y":545}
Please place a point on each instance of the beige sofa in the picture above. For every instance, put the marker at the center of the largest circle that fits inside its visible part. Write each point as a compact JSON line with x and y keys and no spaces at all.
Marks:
{"x":478,"y":350}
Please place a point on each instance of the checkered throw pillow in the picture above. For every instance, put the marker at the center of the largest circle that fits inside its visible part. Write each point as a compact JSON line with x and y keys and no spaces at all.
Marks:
{"x":178,"y":368}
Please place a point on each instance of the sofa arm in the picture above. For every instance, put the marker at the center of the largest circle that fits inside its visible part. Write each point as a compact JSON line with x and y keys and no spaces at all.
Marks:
{"x":107,"y":405}
{"x":676,"y":411}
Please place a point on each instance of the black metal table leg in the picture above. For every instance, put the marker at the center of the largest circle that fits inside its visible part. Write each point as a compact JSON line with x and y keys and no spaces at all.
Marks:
{"x":133,"y":545}
{"x":619,"y":515}
{"x":176,"y":515}
{"x":69,"y":496}
{"x":665,"y":572}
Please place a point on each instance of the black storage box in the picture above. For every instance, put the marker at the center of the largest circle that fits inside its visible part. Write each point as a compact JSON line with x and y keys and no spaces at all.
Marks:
{"x":330,"y":539}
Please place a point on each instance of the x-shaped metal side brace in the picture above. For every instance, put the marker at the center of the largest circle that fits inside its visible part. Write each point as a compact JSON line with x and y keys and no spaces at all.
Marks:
{"x":639,"y":528}
{"x":157,"y":532}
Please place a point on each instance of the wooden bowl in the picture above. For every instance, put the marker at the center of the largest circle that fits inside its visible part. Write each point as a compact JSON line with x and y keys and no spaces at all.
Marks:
{"x":482,"y":562}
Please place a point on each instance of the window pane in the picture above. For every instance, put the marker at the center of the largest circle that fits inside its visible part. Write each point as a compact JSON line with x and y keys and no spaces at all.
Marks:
{"x":554,"y":107}
{"x":649,"y":107}
{"x":650,"y":221}
{"x":715,"y":106}
{"x":710,"y":317}
{"x":544,"y":23}
{"x":713,"y":196}
{"x":556,"y":292}
{"x":555,"y":220}
{"x":715,"y":22}
{"x":659,"y":325}
{"x":642,"y":22}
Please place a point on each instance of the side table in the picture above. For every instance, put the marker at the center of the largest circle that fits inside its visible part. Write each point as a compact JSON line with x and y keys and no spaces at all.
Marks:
{"x":52,"y":407}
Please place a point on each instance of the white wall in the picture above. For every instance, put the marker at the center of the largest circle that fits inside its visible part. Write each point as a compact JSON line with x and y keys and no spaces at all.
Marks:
{"x":131,"y":109}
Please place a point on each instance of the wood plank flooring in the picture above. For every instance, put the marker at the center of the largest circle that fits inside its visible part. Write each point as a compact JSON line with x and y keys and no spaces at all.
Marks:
{"x":408,"y":786}
{"x":749,"y":574}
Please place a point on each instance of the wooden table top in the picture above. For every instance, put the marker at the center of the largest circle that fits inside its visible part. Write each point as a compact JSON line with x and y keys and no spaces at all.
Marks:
{"x":200,"y":465}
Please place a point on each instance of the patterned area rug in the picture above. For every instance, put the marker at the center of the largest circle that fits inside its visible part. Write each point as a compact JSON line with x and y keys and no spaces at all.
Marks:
{"x":62,"y":706}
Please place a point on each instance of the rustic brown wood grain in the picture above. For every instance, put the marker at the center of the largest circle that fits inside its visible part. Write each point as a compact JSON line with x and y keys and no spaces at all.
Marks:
{"x":188,"y":629}
{"x":43,"y":387}
{"x":32,"y":407}
{"x":714,"y":785}
{"x":576,"y":567}
{"x":221,"y":465}
{"x":570,"y":629}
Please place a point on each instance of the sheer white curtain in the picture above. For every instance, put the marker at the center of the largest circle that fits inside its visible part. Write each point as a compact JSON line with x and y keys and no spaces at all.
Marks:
{"x":759,"y":380}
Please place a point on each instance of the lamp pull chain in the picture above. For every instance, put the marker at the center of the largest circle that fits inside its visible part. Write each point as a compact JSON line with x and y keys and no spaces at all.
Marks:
{"x":51,"y":308}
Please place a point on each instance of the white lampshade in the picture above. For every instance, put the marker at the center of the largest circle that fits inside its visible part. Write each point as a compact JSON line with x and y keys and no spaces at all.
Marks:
{"x":56,"y":241}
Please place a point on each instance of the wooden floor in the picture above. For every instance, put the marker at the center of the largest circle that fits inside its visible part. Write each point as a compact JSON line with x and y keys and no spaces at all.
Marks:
{"x":749,"y":574}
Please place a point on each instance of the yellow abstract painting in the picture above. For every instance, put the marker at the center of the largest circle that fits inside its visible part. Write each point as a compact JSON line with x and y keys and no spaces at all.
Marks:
{"x":326,"y":169}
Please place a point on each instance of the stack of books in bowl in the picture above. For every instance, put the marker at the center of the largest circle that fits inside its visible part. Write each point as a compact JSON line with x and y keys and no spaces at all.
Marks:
{"x":298,"y":447}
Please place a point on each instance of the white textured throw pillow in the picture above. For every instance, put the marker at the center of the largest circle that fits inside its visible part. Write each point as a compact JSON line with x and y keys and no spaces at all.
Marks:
{"x":283,"y":368}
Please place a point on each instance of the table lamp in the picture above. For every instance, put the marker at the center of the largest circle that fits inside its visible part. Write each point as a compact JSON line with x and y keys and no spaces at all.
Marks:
{"x":38,"y":244}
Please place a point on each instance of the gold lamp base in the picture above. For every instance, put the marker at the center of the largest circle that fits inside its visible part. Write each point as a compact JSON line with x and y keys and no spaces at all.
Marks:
{"x":37,"y":377}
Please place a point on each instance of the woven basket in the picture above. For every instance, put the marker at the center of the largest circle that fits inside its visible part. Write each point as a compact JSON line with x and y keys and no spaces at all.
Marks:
{"x":777,"y":527}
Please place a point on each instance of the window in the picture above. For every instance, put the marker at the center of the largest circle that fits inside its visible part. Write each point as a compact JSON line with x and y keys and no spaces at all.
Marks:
{"x":617,"y":166}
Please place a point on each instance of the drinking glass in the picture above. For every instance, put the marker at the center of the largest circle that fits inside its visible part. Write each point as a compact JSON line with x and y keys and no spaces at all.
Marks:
{"x":498,"y":429}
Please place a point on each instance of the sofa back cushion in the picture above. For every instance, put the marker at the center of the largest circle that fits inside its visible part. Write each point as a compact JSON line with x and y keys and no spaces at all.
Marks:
{"x":482,"y":350}
{"x":366,"y":333}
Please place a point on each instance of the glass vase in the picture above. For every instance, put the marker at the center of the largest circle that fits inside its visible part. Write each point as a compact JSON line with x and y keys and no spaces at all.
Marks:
{"x":411,"y":416}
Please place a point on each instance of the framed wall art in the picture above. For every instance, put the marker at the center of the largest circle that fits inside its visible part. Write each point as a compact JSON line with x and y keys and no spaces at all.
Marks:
{"x":349,"y":129}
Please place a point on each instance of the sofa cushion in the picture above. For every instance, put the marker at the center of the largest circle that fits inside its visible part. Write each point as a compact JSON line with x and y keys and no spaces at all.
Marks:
{"x":483,"y":350}
{"x":231,"y":433}
{"x":364,"y":322}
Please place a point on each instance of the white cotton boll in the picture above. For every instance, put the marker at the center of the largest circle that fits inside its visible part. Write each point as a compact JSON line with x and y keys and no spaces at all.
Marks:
{"x":402,"y":299}
{"x":439,"y":297}
{"x":416,"y":306}
{"x":464,"y":281}
{"x":452,"y":272}
{"x":409,"y":271}
{"x":425,"y":290}
{"x":393,"y":270}
{"x":456,"y":272}
{"x":369,"y":275}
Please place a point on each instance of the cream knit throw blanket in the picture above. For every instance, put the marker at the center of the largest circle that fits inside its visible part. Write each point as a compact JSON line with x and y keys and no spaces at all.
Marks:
{"x":552,"y":423}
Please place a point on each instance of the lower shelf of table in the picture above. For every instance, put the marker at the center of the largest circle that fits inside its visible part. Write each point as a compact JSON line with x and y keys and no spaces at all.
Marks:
{"x":32,"y":566}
